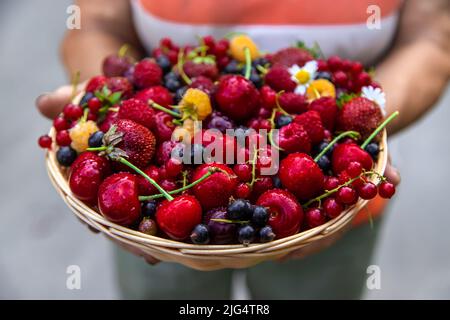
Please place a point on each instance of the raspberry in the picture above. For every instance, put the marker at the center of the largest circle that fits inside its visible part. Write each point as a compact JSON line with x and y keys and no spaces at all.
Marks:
{"x":294,"y":138}
{"x":208,"y":70}
{"x":312,"y":123}
{"x":293,"y":103}
{"x":157,"y":94}
{"x":80,"y":135}
{"x":290,"y":56}
{"x":279,"y":78}
{"x":147,"y":73}
{"x":95,"y":84}
{"x":327,"y":109}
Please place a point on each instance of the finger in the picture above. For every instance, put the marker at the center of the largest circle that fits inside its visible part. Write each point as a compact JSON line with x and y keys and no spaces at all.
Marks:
{"x":392,"y":174}
{"x":52,"y":103}
{"x":151,"y":260}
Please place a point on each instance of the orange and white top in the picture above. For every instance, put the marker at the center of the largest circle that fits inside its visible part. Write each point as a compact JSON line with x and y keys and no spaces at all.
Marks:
{"x":339,"y":26}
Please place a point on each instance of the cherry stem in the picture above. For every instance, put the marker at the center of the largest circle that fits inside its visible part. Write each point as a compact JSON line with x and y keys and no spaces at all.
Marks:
{"x":330,"y":192}
{"x":164,"y":109}
{"x":176,"y":191}
{"x":180,"y":68}
{"x":142,"y":173}
{"x":248,"y":63}
{"x":123,"y":50}
{"x":102,"y":148}
{"x":380,"y":127}
{"x":352,"y":134}
{"x":254,"y":160}
{"x":277,"y":103}
{"x":231,"y":221}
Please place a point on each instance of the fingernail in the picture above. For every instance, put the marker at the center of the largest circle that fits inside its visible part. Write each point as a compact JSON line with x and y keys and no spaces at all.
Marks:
{"x":39,"y":100}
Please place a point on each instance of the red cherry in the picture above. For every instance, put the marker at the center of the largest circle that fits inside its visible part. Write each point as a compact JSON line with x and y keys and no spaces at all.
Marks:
{"x":367,"y":191}
{"x":286,"y":213}
{"x":386,"y":190}
{"x":301,"y":175}
{"x":268,"y":97}
{"x":94,"y":105}
{"x":331,"y":183}
{"x":168,"y":185}
{"x":265,"y":113}
{"x":242,"y":191}
{"x":346,"y":65}
{"x":118,"y":199}
{"x":315,"y":217}
{"x":59,"y":123}
{"x":86,"y":174}
{"x":340,"y":78}
{"x":63,"y":138}
{"x":345,"y":153}
{"x":216,"y":190}
{"x":261,"y":185}
{"x":243,"y":172}
{"x":146,"y":188}
{"x":72,"y":112}
{"x":354,"y":169}
{"x":332,"y":208}
{"x":92,"y":116}
{"x":347,"y":195}
{"x":209,"y":42}
{"x":178,"y":217}
{"x":173,"y":168}
{"x":163,"y":126}
{"x":45,"y":142}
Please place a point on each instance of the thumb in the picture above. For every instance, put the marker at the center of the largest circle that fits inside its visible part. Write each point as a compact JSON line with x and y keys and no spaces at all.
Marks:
{"x":52,"y":103}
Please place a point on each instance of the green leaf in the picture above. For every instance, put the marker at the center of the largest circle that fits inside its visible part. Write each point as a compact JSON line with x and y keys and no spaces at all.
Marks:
{"x":344,"y":98}
{"x":115,"y":97}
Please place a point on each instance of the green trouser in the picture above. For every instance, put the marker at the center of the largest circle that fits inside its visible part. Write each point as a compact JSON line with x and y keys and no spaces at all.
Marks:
{"x":338,"y":272}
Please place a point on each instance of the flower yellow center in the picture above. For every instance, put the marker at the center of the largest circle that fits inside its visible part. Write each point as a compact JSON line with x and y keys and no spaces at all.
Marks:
{"x":302,"y":76}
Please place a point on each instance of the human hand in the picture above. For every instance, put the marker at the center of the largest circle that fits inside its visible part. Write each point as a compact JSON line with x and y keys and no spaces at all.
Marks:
{"x":50,"y":104}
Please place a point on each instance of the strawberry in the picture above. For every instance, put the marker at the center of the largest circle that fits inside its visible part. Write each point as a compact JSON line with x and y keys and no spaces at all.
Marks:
{"x":135,"y":140}
{"x":327,"y":108}
{"x":312,"y":123}
{"x":147,"y":73}
{"x":290,"y":56}
{"x":360,"y":115}
{"x":279,"y":78}
{"x":208,"y":70}
{"x":157,"y":94}
{"x":138,"y":111}
{"x":237,"y":97}
{"x":120,"y":84}
{"x":301,"y":176}
{"x":293,"y":103}
{"x":95,"y":84}
{"x":345,"y":153}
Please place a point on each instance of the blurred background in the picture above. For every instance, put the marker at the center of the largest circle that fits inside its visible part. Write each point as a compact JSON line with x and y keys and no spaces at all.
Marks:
{"x":40,"y":238}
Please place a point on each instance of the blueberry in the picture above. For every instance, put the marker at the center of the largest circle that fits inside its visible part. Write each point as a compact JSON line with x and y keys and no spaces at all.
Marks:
{"x":260,"y":216}
{"x":66,"y":156}
{"x":232,"y":67}
{"x":260,"y":62}
{"x":96,"y":139}
{"x":172,"y":75}
{"x":148,"y":208}
{"x":172,"y":85}
{"x":373,"y":150}
{"x":246,"y":234}
{"x":282,"y":121}
{"x":180,"y":93}
{"x":164,"y":63}
{"x":200,"y":234}
{"x":323,"y":75}
{"x":84,"y":100}
{"x":256,"y":79}
{"x":239,"y":209}
{"x":324,"y":163}
{"x":322,"y":146}
{"x":276,"y":182}
{"x":266,"y":234}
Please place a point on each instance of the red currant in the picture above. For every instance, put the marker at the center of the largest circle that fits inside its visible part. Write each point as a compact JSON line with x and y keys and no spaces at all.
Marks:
{"x":356,"y":68}
{"x":363,"y":79}
{"x":243,"y":172}
{"x":92,"y":116}
{"x":367,"y":191}
{"x":94,"y":105}
{"x":386,"y":190}
{"x":168,"y":185}
{"x":322,"y":65}
{"x":242,"y":191}
{"x":354,"y":169}
{"x":334,"y":63}
{"x":347,"y":195}
{"x":59,"y":123}
{"x":45,"y":142}
{"x":332,"y":208}
{"x":166,"y":43}
{"x":346,"y":65}
{"x":72,"y":112}
{"x":331,"y":183}
{"x":63,"y":138}
{"x":315,"y":217}
{"x":173,"y":168}
{"x":340,"y":78}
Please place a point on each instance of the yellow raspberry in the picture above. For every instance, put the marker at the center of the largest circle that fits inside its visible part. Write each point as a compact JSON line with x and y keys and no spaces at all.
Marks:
{"x":238,"y":44}
{"x":195,"y":102}
{"x":320,"y":88}
{"x":80,"y":135}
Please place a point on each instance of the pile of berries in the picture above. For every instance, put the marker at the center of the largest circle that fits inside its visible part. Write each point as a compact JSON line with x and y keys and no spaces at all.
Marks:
{"x":125,"y":144}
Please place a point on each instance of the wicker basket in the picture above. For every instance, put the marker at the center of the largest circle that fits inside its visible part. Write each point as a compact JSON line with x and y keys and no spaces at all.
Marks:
{"x":207,"y":257}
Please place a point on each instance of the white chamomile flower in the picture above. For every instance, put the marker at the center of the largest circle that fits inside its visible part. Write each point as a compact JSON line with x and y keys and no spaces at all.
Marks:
{"x":303,"y":76}
{"x":376,"y":95}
